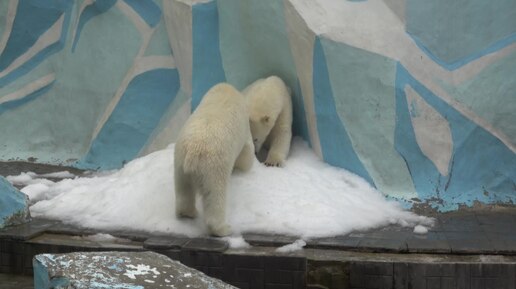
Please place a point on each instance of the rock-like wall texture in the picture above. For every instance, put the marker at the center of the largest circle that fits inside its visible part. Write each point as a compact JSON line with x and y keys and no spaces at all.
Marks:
{"x":417,"y":97}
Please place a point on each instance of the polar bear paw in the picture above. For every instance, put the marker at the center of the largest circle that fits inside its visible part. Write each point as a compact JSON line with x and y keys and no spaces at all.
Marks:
{"x":220,"y":230}
{"x":274,"y":161}
{"x":187,"y":213}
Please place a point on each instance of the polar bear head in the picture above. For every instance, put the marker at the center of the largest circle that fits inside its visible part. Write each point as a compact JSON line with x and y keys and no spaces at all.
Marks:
{"x":261,"y":126}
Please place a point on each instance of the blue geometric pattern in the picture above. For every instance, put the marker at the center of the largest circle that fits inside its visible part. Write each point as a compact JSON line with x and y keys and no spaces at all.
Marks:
{"x":94,"y":9}
{"x":335,"y":143}
{"x":33,"y":18}
{"x":207,"y":63}
{"x":133,"y":120}
{"x":482,"y":168}
{"x":115,"y":87}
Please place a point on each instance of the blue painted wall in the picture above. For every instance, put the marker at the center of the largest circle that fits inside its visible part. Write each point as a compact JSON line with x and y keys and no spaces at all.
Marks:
{"x":419,"y":102}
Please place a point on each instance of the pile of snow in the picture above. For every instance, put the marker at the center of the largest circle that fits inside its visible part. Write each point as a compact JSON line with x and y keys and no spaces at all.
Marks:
{"x":420,"y":229}
{"x":296,"y":246}
{"x":237,"y":242}
{"x":307,"y":198}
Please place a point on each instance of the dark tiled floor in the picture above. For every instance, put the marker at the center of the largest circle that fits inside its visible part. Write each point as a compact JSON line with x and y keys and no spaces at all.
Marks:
{"x":464,"y":232}
{"x":8,"y":281}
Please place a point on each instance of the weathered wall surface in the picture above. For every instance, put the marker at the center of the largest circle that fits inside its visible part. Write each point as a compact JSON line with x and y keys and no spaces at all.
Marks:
{"x":418,"y":97}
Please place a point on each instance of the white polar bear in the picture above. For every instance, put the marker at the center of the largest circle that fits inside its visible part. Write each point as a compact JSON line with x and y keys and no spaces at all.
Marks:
{"x":215,"y":139}
{"x":270,"y":116}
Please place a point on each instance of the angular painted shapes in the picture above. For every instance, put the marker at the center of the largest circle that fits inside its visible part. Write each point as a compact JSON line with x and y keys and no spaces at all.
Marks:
{"x":178,"y":21}
{"x":207,"y":62}
{"x":39,"y":30}
{"x":27,"y":94}
{"x":490,"y":94}
{"x":7,"y":15}
{"x":148,"y":10}
{"x":453,"y":34}
{"x":170,"y":125}
{"x":432,"y":131}
{"x":14,"y":205}
{"x":482,"y":168}
{"x":158,"y":44}
{"x":258,"y":46}
{"x":301,"y":41}
{"x":364,"y":94}
{"x":90,"y":11}
{"x":299,"y":123}
{"x":336,"y":145}
{"x":133,"y":120}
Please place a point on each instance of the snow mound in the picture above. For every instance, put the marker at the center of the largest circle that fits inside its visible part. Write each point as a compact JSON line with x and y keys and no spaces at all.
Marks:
{"x":307,"y":198}
{"x":296,"y":246}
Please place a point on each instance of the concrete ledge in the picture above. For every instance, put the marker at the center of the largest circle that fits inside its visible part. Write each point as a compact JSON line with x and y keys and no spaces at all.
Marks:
{"x":14,"y":205}
{"x":117,"y":270}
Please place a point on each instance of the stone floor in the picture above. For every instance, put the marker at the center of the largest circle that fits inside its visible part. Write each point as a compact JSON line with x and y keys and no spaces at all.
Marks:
{"x":381,"y":254}
{"x":10,"y":281}
{"x":464,"y":232}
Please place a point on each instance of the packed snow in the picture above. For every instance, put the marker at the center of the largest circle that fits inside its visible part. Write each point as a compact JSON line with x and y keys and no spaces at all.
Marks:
{"x":296,"y":246}
{"x":306,"y":198}
{"x":237,"y":242}
{"x":420,"y":229}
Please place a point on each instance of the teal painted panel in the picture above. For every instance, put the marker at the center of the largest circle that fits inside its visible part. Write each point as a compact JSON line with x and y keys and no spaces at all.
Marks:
{"x":133,"y":120}
{"x":456,"y":32}
{"x":482,"y":168}
{"x":159,"y":44}
{"x":148,"y":10}
{"x":3,"y":17}
{"x":86,"y":81}
{"x":33,"y":18}
{"x":258,"y":46}
{"x":491,"y":95}
{"x":90,"y":11}
{"x":364,"y":93}
{"x":336,"y":146}
{"x":14,"y":104}
{"x":207,"y":63}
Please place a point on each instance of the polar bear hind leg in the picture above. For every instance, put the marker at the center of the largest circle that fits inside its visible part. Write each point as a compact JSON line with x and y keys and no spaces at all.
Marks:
{"x":245,"y":159}
{"x":185,"y":195}
{"x":214,"y":203}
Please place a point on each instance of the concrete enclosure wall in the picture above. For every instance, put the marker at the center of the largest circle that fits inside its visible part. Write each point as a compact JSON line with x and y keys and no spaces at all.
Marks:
{"x":417,"y":97}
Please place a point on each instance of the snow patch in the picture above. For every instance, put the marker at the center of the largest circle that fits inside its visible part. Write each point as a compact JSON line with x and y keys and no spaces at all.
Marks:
{"x":58,"y":175}
{"x":140,"y":269}
{"x":35,"y":192}
{"x":237,"y":242}
{"x":307,"y":198}
{"x":296,"y":246}
{"x":419,"y":229}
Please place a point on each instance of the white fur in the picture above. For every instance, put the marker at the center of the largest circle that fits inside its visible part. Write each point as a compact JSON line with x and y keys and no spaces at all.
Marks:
{"x":215,"y":139}
{"x":270,"y":117}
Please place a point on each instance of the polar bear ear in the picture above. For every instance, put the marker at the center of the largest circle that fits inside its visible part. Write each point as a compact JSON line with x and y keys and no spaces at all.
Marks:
{"x":265,"y":119}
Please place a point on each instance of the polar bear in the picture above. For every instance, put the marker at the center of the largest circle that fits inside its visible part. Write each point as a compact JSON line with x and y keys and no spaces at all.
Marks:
{"x":215,"y":139}
{"x":270,"y":117}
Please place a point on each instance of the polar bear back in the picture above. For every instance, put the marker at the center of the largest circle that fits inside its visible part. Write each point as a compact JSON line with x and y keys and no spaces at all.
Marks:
{"x":215,"y":133}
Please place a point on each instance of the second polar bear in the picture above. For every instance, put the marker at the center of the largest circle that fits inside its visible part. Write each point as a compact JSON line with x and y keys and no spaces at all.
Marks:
{"x":215,"y":139}
{"x":270,"y":117}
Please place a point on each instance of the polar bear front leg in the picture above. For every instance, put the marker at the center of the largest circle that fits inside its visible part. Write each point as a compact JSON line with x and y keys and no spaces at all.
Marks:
{"x":185,"y":195}
{"x":279,"y":147}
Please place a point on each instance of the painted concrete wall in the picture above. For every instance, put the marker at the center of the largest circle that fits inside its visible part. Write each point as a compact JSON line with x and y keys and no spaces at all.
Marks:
{"x":14,"y":205}
{"x":417,"y":97}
